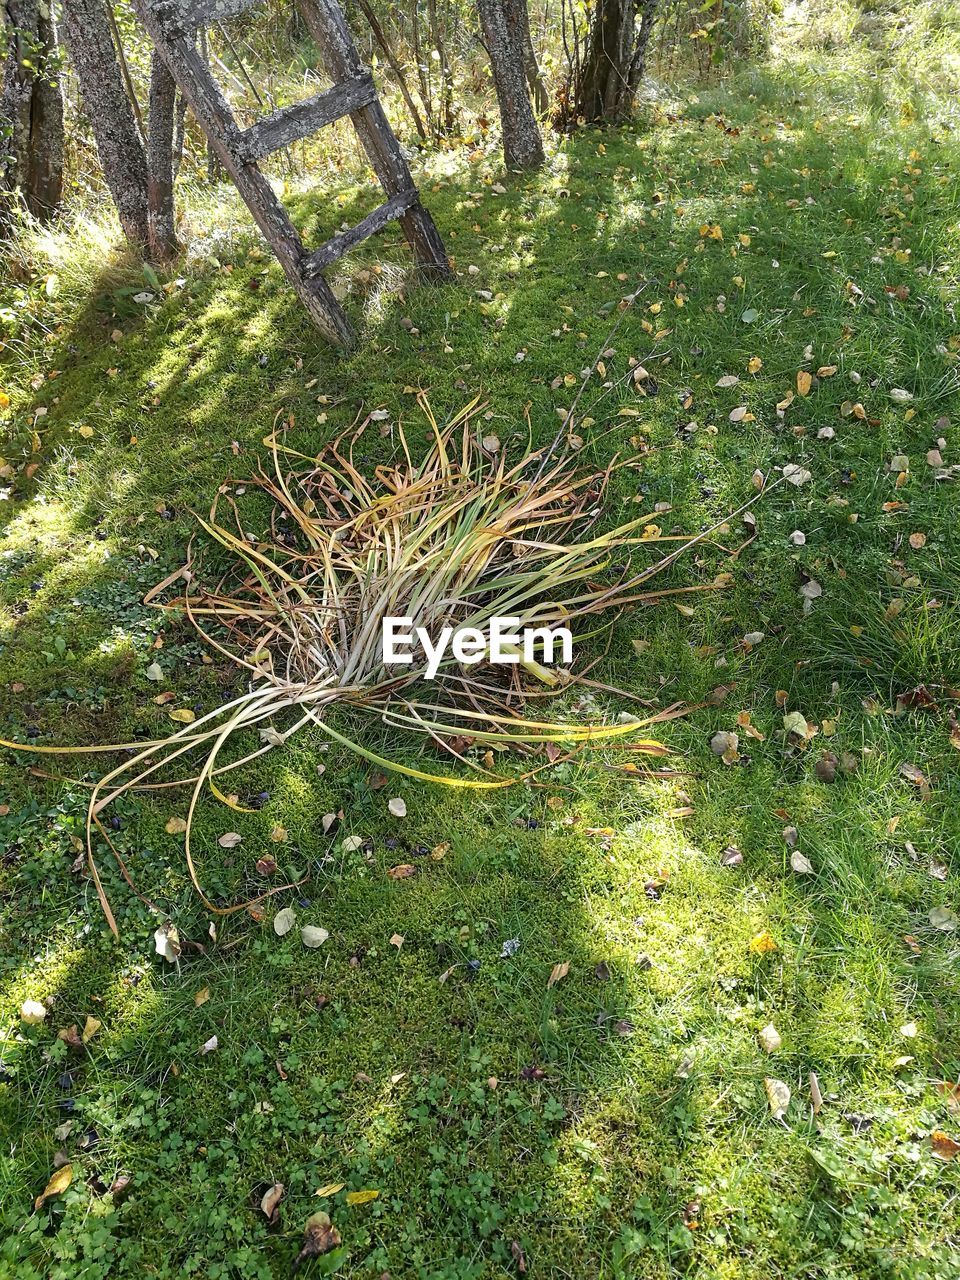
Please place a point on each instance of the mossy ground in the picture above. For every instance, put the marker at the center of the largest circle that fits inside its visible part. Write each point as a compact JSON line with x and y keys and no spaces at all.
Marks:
{"x":628,"y":1134}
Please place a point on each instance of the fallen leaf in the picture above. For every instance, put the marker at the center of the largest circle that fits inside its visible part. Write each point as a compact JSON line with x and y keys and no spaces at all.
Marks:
{"x":557,"y":972}
{"x":397,"y":940}
{"x":795,"y":722}
{"x":166,"y":940}
{"x":816,"y":1097}
{"x":313,"y":936}
{"x":56,"y":1186}
{"x":330,"y":1189}
{"x":175,"y":826}
{"x":90,"y":1028}
{"x":32,"y":1012}
{"x":402,"y":872}
{"x":202,"y":996}
{"x":183,"y":716}
{"x":208,"y":1046}
{"x":284,"y":921}
{"x":269,"y":1203}
{"x":803,"y":866}
{"x":778,"y":1096}
{"x":229,"y":840}
{"x":319,"y":1237}
{"x":762,"y":943}
{"x":796,"y":475}
{"x":944,"y":919}
{"x":943,"y":1146}
{"x":769,"y":1037}
{"x":397,"y":807}
{"x":361,"y":1197}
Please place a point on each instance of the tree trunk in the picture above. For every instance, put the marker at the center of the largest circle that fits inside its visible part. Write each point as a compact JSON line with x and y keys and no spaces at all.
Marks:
{"x":119,"y":145}
{"x":446,"y":75}
{"x":163,"y":96}
{"x":520,"y":17}
{"x":522,"y":145}
{"x":31,"y":155}
{"x":614,"y":59}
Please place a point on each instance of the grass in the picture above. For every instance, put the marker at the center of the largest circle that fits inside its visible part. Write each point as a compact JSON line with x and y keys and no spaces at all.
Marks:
{"x":614,"y":1124}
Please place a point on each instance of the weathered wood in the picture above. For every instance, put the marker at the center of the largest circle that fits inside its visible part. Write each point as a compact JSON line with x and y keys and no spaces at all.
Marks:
{"x":173,"y":24}
{"x":328,"y":26}
{"x":344,"y":241}
{"x":188,"y":15}
{"x":290,"y":124}
{"x":213,"y":114}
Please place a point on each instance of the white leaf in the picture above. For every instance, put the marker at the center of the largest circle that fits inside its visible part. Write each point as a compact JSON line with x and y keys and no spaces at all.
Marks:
{"x":284,"y":921}
{"x":803,"y":866}
{"x":32,"y":1012}
{"x":796,"y":475}
{"x":167,"y":942}
{"x":351,"y":844}
{"x":154,"y":671}
{"x":397,"y":807}
{"x":899,"y":396}
{"x":229,"y":840}
{"x":728,"y":380}
{"x":209,"y":1045}
{"x":769,"y":1038}
{"x":778,"y":1096}
{"x":313,"y":936}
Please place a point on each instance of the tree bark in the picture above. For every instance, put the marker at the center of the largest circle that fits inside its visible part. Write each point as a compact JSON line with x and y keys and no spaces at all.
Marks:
{"x":31,"y":155}
{"x":160,"y":211}
{"x":119,"y":144}
{"x":520,"y":17}
{"x":614,"y":60}
{"x":522,"y":145}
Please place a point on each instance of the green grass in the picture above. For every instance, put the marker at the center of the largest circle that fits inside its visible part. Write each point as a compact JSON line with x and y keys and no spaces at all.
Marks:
{"x":627,"y":1133}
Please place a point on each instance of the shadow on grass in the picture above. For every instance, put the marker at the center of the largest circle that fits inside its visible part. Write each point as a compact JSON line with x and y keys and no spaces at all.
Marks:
{"x":613,"y":1123}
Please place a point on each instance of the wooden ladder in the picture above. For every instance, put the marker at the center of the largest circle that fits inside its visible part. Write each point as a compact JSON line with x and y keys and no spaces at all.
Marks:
{"x":172,"y":26}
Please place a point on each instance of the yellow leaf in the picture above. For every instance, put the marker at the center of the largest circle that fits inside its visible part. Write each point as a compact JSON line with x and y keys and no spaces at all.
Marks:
{"x":361,"y":1197}
{"x":330,"y":1189}
{"x":85,"y":431}
{"x":754,"y":364}
{"x":175,"y":826}
{"x":804,"y":382}
{"x":4,"y":400}
{"x":762,"y":943}
{"x":90,"y":1028}
{"x":56,"y":1186}
{"x":202,"y":996}
{"x":183,"y":716}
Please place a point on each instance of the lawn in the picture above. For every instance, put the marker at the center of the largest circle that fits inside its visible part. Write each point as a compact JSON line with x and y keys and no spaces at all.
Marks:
{"x":615,"y":1122}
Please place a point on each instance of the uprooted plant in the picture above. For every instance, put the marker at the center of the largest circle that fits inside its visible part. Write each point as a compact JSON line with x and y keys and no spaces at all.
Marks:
{"x":454,"y":539}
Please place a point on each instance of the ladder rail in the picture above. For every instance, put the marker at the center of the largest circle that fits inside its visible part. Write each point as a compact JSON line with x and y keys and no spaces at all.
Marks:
{"x":172,"y":26}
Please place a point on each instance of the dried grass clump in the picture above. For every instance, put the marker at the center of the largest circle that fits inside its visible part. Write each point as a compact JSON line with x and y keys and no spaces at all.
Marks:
{"x":452,"y":539}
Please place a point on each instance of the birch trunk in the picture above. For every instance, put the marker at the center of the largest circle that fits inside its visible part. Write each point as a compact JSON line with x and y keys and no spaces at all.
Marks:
{"x":522,"y":145}
{"x":119,"y":144}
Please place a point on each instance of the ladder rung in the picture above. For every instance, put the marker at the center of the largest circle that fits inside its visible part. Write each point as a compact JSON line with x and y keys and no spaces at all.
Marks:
{"x":344,"y":241}
{"x":188,"y":15}
{"x":289,"y":124}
